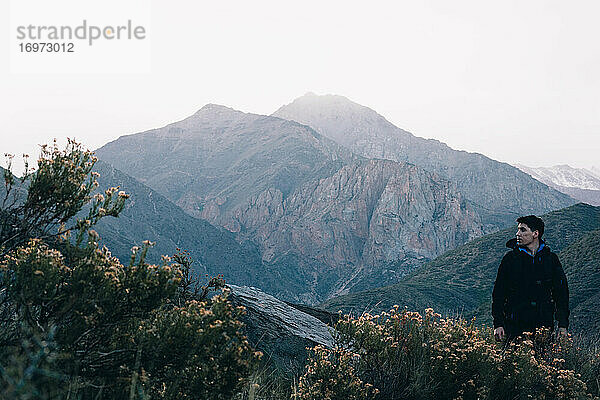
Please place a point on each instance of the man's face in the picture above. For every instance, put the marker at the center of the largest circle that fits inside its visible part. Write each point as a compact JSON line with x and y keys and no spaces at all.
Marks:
{"x":524,"y":235}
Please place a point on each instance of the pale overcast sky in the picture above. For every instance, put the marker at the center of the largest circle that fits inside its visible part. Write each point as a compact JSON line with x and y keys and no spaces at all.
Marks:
{"x":518,"y":81}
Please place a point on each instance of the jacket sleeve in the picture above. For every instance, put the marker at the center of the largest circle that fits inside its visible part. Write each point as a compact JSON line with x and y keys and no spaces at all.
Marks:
{"x":560,"y":294}
{"x":499,"y":294}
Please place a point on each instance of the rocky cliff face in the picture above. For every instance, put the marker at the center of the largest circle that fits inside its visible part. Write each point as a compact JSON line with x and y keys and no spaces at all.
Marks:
{"x":368,"y":224}
{"x":323,"y":219}
{"x":501,"y":190}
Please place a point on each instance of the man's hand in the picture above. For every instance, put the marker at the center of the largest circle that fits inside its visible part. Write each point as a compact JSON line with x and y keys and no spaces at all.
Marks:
{"x":562,"y":333}
{"x":499,"y":333}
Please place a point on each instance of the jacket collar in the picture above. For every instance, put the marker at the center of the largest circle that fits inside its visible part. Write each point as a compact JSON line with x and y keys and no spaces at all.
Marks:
{"x":512,"y":243}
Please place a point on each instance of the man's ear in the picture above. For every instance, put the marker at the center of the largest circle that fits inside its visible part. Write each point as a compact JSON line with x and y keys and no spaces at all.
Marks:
{"x":536,"y":234}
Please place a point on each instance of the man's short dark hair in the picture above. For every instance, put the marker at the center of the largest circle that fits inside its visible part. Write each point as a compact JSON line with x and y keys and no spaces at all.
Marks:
{"x":534,"y":223}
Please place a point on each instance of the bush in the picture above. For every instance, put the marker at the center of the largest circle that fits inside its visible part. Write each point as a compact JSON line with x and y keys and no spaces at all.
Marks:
{"x":201,"y":343}
{"x":31,"y":371}
{"x":330,"y":375}
{"x":77,"y":323}
{"x":408,"y":356}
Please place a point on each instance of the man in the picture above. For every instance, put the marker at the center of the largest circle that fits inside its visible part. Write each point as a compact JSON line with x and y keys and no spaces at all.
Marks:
{"x":531,"y":288}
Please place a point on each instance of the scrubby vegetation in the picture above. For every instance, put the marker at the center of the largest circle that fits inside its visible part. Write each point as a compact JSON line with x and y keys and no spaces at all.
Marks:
{"x":76,"y":323}
{"x":403,"y":355}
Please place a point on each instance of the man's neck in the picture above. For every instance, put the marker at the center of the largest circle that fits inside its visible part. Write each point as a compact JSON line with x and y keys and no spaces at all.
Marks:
{"x":533,"y":247}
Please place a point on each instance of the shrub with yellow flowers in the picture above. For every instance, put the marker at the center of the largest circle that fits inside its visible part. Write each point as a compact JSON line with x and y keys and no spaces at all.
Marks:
{"x":77,"y":323}
{"x":330,"y":375}
{"x":207,"y":356}
{"x":405,"y":355}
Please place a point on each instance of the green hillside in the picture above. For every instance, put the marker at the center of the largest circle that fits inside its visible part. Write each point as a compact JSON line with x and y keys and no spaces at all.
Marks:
{"x":581,"y":261}
{"x":461,"y":280}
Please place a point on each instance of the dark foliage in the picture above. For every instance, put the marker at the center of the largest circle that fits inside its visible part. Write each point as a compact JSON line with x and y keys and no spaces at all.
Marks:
{"x":77,"y":323}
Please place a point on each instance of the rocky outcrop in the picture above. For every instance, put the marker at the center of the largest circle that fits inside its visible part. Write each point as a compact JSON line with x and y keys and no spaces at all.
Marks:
{"x":279,"y":330}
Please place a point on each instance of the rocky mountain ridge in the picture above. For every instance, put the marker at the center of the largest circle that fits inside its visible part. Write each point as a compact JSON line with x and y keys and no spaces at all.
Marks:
{"x":212,"y":161}
{"x":359,"y":222}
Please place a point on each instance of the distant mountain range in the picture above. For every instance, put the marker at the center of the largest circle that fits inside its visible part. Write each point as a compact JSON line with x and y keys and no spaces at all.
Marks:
{"x":564,"y":176}
{"x":354,"y":203}
{"x":579,"y":183}
{"x":461,"y":280}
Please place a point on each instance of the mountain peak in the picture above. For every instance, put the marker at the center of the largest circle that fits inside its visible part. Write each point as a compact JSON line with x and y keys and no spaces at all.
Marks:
{"x":212,"y":109}
{"x":325,"y":112}
{"x":211,"y":115}
{"x":323,"y":100}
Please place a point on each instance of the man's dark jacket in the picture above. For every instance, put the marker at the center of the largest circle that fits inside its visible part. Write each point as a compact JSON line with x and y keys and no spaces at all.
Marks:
{"x":530,"y":291}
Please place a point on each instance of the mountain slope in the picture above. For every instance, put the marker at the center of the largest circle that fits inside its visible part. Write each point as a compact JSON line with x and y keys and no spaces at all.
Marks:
{"x":150,"y":216}
{"x":461,"y":280}
{"x":502,"y":191}
{"x":581,"y":261}
{"x":578,"y":183}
